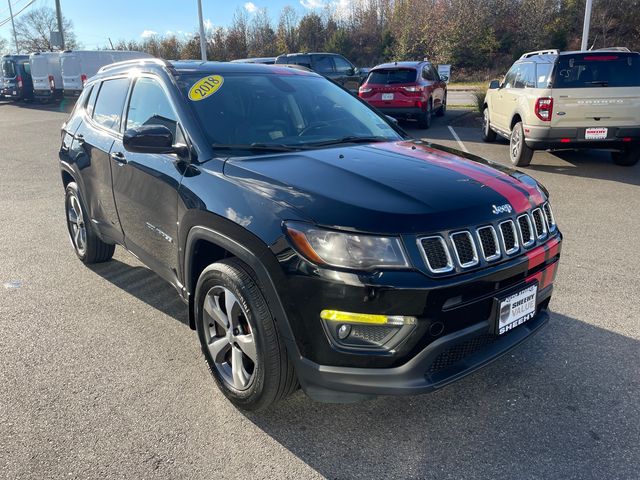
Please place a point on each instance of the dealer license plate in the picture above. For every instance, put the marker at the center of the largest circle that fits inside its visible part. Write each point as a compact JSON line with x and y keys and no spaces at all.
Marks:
{"x":597,"y":133}
{"x":516,"y":309}
{"x":387,"y":96}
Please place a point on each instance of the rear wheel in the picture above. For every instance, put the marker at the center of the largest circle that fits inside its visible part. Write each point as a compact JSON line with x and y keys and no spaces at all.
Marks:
{"x":519,"y":152}
{"x":239,"y":337}
{"x":424,"y":121}
{"x":488,"y":135}
{"x":88,"y":246}
{"x":626,"y":158}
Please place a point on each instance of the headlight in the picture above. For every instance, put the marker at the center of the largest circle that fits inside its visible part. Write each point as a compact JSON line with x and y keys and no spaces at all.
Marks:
{"x":346,"y":250}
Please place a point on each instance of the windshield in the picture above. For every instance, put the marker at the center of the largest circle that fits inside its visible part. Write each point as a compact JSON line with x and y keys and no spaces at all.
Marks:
{"x":8,"y":69}
{"x":287,"y":111}
{"x":598,"y":69}
{"x":391,"y":76}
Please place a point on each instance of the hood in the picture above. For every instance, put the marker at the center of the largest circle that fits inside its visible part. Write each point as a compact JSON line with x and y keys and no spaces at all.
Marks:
{"x":392,"y":187}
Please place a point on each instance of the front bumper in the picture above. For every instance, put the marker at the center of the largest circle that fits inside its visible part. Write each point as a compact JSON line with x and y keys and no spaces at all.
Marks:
{"x":462,"y":306}
{"x":549,"y":138}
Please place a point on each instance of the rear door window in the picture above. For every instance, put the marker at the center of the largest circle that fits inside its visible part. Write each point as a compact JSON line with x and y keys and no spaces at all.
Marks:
{"x":343,"y":66}
{"x":108,"y":109}
{"x":598,"y":69}
{"x":390,"y":76}
{"x":525,"y":76}
{"x":323,"y":64}
{"x":304,"y":60}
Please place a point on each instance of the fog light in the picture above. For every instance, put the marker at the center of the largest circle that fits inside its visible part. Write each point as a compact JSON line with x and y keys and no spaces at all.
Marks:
{"x":368,"y":318}
{"x":344,"y":331}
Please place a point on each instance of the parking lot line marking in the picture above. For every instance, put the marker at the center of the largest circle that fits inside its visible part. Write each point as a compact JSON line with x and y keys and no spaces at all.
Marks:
{"x":455,"y":135}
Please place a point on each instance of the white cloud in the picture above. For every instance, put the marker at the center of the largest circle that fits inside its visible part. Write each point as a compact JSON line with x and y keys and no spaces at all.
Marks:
{"x":312,"y":3}
{"x":208,"y":24}
{"x":148,"y":33}
{"x":250,"y":7}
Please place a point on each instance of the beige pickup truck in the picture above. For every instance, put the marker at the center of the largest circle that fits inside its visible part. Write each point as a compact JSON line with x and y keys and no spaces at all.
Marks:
{"x":551,"y":100}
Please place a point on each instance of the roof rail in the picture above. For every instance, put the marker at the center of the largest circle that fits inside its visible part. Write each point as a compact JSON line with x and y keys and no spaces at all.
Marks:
{"x":553,"y":51}
{"x":612,"y":49}
{"x":134,"y":61}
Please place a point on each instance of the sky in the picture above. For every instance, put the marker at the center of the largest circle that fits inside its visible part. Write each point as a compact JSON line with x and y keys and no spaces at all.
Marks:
{"x":95,"y":21}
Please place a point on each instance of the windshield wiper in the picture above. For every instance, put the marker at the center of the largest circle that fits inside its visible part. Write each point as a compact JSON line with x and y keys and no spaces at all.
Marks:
{"x":255,"y":147}
{"x":349,"y":139}
{"x":602,"y":83}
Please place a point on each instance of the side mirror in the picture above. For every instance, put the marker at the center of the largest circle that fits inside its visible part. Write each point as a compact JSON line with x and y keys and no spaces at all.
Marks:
{"x":392,"y":119}
{"x":150,"y":139}
{"x":494,"y":85}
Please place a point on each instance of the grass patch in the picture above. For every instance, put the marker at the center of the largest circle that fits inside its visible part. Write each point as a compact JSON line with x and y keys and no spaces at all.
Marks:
{"x":479,"y":96}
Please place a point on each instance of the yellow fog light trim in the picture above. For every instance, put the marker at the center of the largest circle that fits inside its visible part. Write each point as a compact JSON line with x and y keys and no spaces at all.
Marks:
{"x":349,"y":317}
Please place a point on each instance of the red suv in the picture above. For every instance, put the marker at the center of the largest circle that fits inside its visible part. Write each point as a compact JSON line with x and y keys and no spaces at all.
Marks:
{"x":406,"y":90}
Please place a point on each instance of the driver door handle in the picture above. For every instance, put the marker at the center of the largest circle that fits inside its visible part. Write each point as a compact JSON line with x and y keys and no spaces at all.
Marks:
{"x":119,"y":158}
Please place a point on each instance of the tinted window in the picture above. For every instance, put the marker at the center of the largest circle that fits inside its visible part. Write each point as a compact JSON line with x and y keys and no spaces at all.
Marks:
{"x":92,"y":100}
{"x":389,"y":76}
{"x":295,"y":110}
{"x":427,"y":73}
{"x":598,"y":69}
{"x":543,"y":74}
{"x":323,"y":64}
{"x":110,"y":101}
{"x":342,"y":66}
{"x":304,"y":60}
{"x":150,"y":106}
{"x":434,"y":72}
{"x":8,"y":69}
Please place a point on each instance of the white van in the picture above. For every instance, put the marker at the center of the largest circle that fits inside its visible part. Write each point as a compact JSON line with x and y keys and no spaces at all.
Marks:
{"x":47,"y":75}
{"x":80,"y":65}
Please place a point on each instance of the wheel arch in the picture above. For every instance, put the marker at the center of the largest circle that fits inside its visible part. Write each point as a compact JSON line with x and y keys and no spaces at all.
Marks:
{"x":515,"y":119}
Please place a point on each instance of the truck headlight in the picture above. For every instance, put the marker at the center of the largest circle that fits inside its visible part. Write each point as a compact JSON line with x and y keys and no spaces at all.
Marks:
{"x":346,"y":250}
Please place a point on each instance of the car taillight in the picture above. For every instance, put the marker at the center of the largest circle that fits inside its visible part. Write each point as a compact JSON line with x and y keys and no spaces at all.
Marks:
{"x":19,"y":80}
{"x":83,"y":79}
{"x":544,"y":108}
{"x":52,"y":82}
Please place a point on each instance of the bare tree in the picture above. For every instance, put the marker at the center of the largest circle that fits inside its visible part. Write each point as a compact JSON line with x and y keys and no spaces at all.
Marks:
{"x":261,"y":37}
{"x":3,"y":46}
{"x":287,"y":34}
{"x":34,"y":30}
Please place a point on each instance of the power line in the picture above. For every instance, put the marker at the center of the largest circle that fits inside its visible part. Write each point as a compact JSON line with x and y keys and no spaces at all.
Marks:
{"x":7,"y":20}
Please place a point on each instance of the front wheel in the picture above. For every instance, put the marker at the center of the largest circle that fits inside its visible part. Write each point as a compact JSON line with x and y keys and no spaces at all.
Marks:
{"x":443,"y":108}
{"x":239,"y":337}
{"x":88,"y":246}
{"x":519,"y":152}
{"x":626,"y":158}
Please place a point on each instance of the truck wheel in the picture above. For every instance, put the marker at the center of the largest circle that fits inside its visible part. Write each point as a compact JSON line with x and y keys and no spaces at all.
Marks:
{"x":488,"y":135}
{"x":424,"y":121}
{"x":519,"y":152}
{"x":240,"y":339}
{"x":86,"y":243}
{"x":626,"y":158}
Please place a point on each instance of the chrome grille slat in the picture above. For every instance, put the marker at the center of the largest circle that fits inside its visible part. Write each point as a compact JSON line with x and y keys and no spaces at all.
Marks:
{"x":509,"y":240}
{"x":548,"y":214}
{"x":435,"y":253}
{"x":465,"y":249}
{"x":526,"y":230}
{"x":488,"y":240}
{"x":539,"y":223}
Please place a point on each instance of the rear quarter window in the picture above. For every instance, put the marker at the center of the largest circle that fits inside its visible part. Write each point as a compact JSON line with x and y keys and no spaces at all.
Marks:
{"x":390,"y":76}
{"x":597,"y":69}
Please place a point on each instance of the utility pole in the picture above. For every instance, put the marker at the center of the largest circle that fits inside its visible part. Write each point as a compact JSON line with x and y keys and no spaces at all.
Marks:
{"x":59,"y":15}
{"x":585,"y":25}
{"x":13,"y":23}
{"x":203,"y":40}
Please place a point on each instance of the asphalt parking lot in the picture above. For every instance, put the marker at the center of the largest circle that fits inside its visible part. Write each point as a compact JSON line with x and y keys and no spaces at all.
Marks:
{"x":101,"y":377}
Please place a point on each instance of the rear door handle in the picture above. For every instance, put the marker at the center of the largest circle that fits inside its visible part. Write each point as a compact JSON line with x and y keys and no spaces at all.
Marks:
{"x":119,"y":158}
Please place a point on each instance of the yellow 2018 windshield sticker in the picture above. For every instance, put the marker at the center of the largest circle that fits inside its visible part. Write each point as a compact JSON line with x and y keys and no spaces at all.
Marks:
{"x":205,"y":87}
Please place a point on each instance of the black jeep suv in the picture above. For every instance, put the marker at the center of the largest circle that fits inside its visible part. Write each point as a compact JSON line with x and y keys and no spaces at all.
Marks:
{"x":313,"y":242}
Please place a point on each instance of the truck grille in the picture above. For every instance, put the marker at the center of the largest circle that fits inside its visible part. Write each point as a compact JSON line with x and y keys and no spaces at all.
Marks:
{"x":461,"y":249}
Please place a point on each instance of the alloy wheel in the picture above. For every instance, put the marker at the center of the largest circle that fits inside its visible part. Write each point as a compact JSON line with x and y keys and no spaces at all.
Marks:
{"x":229,"y":338}
{"x":485,"y":121}
{"x":516,"y":140}
{"x":77,"y":226}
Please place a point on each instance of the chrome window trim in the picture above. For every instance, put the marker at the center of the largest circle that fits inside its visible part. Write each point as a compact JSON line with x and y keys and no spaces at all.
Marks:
{"x":532,"y":238}
{"x":539,"y":236}
{"x":449,"y":266}
{"x":516,"y":246}
{"x":475,"y":259}
{"x":497,"y":254}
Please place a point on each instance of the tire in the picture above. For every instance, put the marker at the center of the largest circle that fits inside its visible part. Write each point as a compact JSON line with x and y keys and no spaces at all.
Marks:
{"x":488,"y":135}
{"x":519,"y":152}
{"x":443,"y":108}
{"x":229,"y":341}
{"x":424,"y":121}
{"x":626,"y":158}
{"x":88,"y":246}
